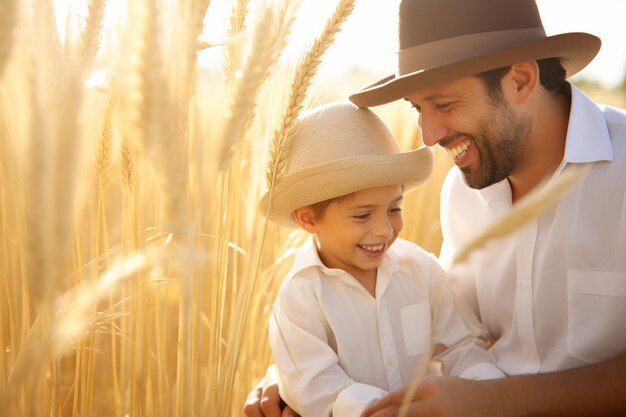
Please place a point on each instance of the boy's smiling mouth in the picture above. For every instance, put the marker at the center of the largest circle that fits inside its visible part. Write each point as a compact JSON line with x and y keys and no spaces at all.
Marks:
{"x":373,"y":250}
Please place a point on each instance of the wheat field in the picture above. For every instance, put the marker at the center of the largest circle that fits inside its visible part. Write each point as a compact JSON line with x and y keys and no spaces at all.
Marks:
{"x":136,"y":271}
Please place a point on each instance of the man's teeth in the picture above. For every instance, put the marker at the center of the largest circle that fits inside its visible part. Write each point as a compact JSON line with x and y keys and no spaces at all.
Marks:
{"x":458,"y":152}
{"x":376,"y":248}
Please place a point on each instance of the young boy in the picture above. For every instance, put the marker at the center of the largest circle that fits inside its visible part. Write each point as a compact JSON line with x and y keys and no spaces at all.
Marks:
{"x":358,"y":312}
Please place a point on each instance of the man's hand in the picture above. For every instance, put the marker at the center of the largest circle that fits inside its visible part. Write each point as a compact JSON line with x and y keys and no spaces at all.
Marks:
{"x":594,"y":390}
{"x":435,"y":396}
{"x":264,"y":399}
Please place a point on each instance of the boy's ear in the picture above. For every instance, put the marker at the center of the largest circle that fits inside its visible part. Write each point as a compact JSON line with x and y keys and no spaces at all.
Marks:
{"x":305,"y":217}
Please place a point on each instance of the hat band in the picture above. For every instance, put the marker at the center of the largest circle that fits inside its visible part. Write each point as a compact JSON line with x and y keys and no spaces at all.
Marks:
{"x":458,"y":48}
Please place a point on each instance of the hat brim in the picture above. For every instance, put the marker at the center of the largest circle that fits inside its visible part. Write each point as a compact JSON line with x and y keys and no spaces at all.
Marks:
{"x":341,"y":177}
{"x":575,"y":50}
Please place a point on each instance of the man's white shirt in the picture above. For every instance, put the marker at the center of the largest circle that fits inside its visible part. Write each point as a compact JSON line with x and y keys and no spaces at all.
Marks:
{"x":552,"y":295}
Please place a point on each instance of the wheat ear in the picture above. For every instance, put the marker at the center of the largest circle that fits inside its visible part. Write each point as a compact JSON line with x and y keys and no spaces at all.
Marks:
{"x":528,"y":208}
{"x":263,"y":57}
{"x":103,"y":148}
{"x":307,"y":68}
{"x":90,"y":37}
{"x":153,"y":114}
{"x":145,"y":80}
{"x":235,"y":30}
{"x":128,"y":167}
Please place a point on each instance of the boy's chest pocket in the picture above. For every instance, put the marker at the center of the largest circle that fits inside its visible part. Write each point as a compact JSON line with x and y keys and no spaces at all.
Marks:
{"x":416,"y":328}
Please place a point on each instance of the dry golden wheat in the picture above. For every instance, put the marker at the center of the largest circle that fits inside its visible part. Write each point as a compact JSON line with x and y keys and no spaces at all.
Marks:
{"x":234,"y":40}
{"x":90,"y":37}
{"x":105,"y":144}
{"x":269,"y":38}
{"x":127,"y":168}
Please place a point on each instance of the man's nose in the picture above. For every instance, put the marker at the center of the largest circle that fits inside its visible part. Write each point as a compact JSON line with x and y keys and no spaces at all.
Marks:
{"x":433,"y":130}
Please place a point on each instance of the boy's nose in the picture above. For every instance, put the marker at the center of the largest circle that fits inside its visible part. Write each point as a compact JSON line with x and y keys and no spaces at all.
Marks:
{"x":383,"y":227}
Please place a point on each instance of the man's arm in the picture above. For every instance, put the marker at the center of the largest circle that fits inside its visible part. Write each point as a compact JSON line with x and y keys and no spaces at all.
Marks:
{"x":595,"y":390}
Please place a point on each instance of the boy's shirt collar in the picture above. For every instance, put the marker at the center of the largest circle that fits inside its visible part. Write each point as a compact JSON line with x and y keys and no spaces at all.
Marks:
{"x":587,"y":140}
{"x":308,"y":257}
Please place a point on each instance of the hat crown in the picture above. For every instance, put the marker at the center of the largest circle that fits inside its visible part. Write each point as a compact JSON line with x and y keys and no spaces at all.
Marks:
{"x":424,"y":21}
{"x":338,"y":131}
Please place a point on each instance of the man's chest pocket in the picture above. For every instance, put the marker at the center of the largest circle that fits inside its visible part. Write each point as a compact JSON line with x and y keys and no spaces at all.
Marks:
{"x":416,"y":328}
{"x":597,"y":315}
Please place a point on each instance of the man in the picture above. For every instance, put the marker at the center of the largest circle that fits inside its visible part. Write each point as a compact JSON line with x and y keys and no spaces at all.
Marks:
{"x":490,"y":88}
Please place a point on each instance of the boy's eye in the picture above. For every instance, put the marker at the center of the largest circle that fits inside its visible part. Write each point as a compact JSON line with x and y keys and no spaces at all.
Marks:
{"x":395,"y":210}
{"x":361,"y":216}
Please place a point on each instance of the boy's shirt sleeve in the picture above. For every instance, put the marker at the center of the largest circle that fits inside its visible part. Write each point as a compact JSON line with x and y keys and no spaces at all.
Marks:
{"x":311,"y":380}
{"x":458,"y":338}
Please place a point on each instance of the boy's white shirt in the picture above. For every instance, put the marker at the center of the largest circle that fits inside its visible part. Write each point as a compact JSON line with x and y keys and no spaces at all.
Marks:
{"x":337,"y":348}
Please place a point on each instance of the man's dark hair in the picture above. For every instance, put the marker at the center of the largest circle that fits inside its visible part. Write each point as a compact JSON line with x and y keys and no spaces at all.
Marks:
{"x":551,"y":77}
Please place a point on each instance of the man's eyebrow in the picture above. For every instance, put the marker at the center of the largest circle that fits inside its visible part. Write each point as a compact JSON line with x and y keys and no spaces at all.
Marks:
{"x":431,"y":97}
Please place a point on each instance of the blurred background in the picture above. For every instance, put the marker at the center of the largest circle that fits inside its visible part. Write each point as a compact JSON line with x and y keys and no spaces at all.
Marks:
{"x":136,"y":138}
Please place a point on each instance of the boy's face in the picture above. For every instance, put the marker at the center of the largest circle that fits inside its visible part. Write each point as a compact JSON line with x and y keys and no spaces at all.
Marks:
{"x":355,"y":232}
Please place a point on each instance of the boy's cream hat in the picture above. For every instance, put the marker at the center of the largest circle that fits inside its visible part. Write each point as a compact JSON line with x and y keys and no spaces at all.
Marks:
{"x":339,"y":149}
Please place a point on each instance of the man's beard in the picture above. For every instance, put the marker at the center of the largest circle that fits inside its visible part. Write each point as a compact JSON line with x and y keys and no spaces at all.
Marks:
{"x":500,"y":141}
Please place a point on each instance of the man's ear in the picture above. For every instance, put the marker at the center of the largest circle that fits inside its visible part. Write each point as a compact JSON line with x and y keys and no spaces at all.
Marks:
{"x":522,"y":81}
{"x":305,"y":217}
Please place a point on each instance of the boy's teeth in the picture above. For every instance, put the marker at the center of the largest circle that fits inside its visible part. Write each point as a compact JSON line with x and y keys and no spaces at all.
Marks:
{"x":373,"y":248}
{"x":458,"y":152}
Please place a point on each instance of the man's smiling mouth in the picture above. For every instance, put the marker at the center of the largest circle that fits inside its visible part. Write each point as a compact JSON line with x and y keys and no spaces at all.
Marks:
{"x":458,"y":152}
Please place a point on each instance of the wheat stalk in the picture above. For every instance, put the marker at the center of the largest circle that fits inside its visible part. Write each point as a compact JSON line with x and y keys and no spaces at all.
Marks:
{"x":307,"y":68}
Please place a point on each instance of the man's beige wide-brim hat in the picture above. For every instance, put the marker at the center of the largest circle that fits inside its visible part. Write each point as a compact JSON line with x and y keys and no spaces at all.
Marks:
{"x":339,"y":149}
{"x":445,"y":40}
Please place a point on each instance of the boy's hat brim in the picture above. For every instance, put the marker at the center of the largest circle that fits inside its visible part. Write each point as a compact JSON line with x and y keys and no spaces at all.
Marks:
{"x":341,"y":177}
{"x":335,"y":150}
{"x":433,"y":53}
